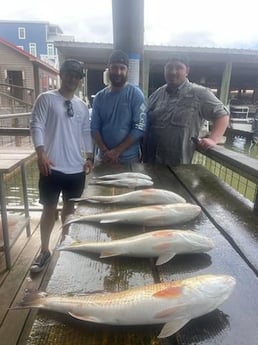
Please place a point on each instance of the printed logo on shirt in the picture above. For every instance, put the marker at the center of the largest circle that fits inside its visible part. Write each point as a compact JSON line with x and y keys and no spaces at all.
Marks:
{"x":142,"y":118}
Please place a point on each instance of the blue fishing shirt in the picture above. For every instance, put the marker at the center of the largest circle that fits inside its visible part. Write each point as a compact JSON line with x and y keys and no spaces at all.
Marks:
{"x":117,"y":115}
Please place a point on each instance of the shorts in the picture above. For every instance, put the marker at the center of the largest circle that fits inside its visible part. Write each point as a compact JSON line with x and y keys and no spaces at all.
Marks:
{"x":50,"y":187}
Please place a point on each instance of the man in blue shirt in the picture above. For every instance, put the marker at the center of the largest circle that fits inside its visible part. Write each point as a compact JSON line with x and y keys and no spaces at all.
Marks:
{"x":118,"y":115}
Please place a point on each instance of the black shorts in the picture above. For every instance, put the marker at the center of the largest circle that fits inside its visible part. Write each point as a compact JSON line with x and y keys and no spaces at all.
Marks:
{"x":50,"y":187}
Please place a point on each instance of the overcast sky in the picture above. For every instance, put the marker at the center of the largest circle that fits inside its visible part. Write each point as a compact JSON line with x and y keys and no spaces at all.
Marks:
{"x":198,"y":23}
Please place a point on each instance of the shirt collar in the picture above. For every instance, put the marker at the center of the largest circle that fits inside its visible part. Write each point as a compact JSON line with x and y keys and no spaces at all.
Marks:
{"x":175,"y":90}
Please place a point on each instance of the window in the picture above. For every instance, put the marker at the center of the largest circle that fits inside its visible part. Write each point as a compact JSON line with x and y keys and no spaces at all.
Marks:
{"x":22,"y":33}
{"x":33,"y":49}
{"x":50,"y":49}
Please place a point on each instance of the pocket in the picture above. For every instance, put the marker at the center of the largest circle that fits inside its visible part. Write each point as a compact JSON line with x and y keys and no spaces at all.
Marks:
{"x":160,"y":116}
{"x":187,"y":109}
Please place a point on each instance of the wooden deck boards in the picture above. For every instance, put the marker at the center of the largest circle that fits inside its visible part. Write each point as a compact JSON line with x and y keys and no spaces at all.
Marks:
{"x":14,"y":282}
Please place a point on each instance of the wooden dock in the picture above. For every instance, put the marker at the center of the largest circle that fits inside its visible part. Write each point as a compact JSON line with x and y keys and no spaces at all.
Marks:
{"x":226,"y":218}
{"x":13,"y":282}
{"x":230,"y":223}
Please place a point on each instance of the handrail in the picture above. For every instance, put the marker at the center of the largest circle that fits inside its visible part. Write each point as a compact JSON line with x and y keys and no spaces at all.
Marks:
{"x":21,"y":132}
{"x":238,"y":162}
{"x":10,"y":116}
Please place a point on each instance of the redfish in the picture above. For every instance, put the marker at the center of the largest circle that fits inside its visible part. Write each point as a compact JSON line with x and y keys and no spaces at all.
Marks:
{"x":122,"y":176}
{"x":149,"y":196}
{"x":156,"y":215}
{"x":164,"y":244}
{"x":173,"y":304}
{"x":124,"y":182}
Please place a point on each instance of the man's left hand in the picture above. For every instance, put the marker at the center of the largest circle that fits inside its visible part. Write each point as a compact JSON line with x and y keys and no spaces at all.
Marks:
{"x":205,"y":143}
{"x":88,"y":166}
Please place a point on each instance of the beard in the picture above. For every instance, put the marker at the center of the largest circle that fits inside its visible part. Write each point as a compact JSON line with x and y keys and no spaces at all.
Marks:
{"x":117,"y":80}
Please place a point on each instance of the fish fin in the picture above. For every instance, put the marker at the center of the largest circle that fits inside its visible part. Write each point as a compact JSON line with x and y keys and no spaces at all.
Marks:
{"x":172,"y":327}
{"x":164,"y":257}
{"x":68,"y":243}
{"x":109,"y":254}
{"x":170,"y":292}
{"x":106,"y":221}
{"x":32,"y":299}
{"x":85,"y":317}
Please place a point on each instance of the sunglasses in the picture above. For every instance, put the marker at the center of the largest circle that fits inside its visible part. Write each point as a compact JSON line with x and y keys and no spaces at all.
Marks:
{"x":69,"y":107}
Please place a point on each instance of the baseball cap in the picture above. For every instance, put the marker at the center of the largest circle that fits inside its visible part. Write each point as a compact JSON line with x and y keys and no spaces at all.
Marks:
{"x":179,"y":58}
{"x":118,"y":56}
{"x":73,"y":66}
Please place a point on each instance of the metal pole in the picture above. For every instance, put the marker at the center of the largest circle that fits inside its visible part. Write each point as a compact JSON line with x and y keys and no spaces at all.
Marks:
{"x":128,"y":33}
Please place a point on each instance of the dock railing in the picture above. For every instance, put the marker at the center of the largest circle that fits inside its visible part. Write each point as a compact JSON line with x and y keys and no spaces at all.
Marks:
{"x":234,"y":168}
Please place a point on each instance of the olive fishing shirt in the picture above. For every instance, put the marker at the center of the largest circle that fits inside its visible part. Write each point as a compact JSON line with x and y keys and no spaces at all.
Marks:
{"x":174,"y":118}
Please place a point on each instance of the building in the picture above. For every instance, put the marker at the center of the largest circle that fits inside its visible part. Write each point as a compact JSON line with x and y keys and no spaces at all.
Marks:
{"x":22,"y":77}
{"x":34,"y":37}
{"x":232,"y":74}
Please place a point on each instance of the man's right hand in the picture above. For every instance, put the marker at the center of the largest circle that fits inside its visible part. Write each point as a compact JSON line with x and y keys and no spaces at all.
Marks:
{"x":44,"y":163}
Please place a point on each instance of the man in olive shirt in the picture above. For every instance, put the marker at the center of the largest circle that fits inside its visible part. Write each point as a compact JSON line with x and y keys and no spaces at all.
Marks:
{"x":176,"y":112}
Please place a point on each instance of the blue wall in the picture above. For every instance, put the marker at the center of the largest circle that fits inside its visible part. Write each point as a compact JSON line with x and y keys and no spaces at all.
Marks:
{"x":35,"y":33}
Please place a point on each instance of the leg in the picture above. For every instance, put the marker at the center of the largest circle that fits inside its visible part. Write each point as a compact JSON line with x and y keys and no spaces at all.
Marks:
{"x":47,"y":222}
{"x":72,"y":188}
{"x":68,"y":208}
{"x":49,"y":191}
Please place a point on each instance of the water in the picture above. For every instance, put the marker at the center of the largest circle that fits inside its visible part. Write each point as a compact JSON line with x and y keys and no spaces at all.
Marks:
{"x":243,"y":145}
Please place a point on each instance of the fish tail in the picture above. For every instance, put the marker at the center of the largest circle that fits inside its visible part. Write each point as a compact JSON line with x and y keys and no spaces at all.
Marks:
{"x":70,"y":219}
{"x":67,"y":243}
{"x":32,"y":299}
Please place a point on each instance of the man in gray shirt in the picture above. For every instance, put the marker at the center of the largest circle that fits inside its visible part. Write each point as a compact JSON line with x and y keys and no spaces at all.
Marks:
{"x":176,"y":112}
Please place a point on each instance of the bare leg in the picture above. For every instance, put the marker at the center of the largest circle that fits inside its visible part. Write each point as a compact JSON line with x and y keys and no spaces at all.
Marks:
{"x":47,"y":222}
{"x":68,"y":208}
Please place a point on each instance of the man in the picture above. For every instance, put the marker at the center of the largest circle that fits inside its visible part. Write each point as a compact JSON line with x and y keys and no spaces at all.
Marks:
{"x":59,"y":127}
{"x":118,"y":115}
{"x":176,"y":112}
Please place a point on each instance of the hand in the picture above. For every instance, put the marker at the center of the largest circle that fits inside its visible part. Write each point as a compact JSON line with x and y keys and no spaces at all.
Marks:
{"x":88,"y":166}
{"x":206,"y":143}
{"x":111,"y":156}
{"x":44,"y":164}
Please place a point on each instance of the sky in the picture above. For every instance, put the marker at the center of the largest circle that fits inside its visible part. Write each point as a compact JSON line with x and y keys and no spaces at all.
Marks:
{"x":198,"y":23}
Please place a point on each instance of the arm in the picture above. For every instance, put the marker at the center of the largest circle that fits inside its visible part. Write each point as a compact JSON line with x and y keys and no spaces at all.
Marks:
{"x":87,"y":139}
{"x":37,"y":127}
{"x":212,"y":109}
{"x":218,"y":129}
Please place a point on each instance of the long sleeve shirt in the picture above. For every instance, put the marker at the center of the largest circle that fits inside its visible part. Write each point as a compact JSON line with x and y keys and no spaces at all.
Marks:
{"x":117,"y":115}
{"x":64,"y":138}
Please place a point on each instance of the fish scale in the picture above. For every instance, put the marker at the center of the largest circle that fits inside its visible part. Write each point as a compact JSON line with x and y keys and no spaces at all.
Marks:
{"x":172,"y":303}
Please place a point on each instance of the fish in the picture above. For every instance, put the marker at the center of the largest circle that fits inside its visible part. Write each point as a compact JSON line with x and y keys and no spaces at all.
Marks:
{"x":148,"y":196}
{"x":153,"y":215}
{"x":122,"y":176}
{"x":173,"y":304}
{"x":124,"y":182}
{"x":164,"y":244}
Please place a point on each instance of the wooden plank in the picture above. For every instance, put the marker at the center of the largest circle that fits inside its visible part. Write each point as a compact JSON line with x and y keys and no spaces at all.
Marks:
{"x":14,"y":322}
{"x":225,"y":207}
